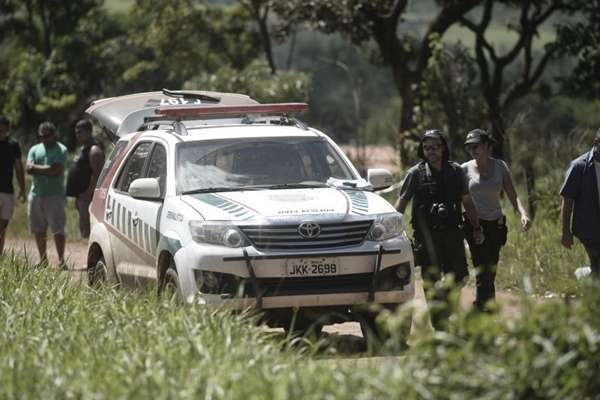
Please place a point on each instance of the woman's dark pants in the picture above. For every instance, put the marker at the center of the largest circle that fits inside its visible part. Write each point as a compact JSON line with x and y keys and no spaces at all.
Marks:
{"x":485,"y":258}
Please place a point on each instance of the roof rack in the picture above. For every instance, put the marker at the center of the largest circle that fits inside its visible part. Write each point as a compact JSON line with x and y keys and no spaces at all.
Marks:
{"x":282,"y":120}
{"x":252,"y":113}
{"x":177,"y":126}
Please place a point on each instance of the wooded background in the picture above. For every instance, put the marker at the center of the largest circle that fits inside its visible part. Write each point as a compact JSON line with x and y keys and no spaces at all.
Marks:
{"x":373,"y":71}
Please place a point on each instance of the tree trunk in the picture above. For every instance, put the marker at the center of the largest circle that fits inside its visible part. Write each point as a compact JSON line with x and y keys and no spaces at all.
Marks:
{"x":290,"y":56}
{"x":406,"y":124}
{"x":261,"y":14}
{"x":266,"y":40}
{"x":497,"y":130}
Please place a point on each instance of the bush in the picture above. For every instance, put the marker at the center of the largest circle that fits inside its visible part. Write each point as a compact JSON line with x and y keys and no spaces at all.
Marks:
{"x":550,"y":351}
{"x":61,"y":339}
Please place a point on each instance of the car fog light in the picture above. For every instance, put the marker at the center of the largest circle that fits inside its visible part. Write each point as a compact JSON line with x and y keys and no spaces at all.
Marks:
{"x":210,"y":280}
{"x":377,"y":232}
{"x":232,"y":238}
{"x":403,"y":271}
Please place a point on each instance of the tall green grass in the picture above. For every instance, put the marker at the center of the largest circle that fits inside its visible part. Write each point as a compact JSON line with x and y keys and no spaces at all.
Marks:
{"x":533,"y":261}
{"x":63,"y":340}
{"x":60,"y":339}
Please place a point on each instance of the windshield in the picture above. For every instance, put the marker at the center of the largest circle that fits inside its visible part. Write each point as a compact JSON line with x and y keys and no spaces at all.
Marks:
{"x":235,"y":164}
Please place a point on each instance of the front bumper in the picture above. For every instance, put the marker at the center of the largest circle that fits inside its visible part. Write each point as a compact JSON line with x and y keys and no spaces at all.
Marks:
{"x":258,"y":279}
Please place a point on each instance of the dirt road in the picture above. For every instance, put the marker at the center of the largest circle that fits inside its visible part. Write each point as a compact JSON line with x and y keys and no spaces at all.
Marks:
{"x":75,"y":255}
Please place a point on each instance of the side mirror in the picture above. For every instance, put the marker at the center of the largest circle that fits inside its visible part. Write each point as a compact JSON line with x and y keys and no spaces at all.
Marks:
{"x":380,"y":178}
{"x":145,"y":188}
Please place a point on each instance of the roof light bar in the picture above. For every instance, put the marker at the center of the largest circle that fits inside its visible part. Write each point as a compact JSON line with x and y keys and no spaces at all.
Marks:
{"x":208,"y":109}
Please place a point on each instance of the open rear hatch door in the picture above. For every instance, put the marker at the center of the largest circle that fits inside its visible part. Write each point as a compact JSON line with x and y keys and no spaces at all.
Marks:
{"x":125,"y":114}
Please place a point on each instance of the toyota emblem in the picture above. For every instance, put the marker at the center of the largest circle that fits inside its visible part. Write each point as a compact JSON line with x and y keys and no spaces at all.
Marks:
{"x":309,"y":230}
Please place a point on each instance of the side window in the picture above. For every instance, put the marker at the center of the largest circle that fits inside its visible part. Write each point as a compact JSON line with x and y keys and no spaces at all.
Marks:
{"x":133,"y":167}
{"x":158,"y":166}
{"x":108,"y":163}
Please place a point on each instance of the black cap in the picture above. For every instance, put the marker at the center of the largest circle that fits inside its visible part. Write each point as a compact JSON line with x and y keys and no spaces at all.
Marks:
{"x":478,"y":136}
{"x":433,"y":134}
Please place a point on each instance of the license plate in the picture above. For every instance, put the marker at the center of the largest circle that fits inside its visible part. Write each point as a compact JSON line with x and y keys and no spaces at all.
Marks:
{"x":312,"y":267}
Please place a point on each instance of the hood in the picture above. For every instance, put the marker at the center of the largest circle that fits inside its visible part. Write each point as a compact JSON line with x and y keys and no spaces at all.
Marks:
{"x":125,"y":114}
{"x":287,"y":204}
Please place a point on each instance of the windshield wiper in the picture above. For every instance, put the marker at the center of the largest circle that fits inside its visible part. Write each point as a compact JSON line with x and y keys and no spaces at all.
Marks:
{"x":300,"y":185}
{"x":217,"y":189}
{"x":346,"y":185}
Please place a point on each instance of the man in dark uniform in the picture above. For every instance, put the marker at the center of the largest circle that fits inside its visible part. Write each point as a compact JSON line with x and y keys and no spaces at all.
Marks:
{"x":84,"y":173}
{"x":10,"y":160}
{"x":437,"y":188}
{"x":581,"y":204}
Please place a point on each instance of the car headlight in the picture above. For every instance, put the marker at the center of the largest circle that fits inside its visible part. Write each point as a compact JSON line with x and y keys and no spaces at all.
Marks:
{"x":220,"y":233}
{"x":386,"y":226}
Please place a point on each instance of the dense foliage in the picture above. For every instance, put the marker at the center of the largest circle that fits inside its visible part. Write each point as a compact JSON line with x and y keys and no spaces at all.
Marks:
{"x":61,"y":339}
{"x":579,"y":39}
{"x":62,"y":55}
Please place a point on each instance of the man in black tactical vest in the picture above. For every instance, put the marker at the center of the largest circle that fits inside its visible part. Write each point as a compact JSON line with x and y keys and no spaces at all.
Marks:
{"x":437,"y":188}
{"x":84,"y":173}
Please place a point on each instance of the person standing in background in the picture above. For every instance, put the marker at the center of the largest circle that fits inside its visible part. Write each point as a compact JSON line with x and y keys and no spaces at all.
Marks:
{"x":83,"y":173}
{"x":487,"y":177}
{"x":46,"y":208}
{"x":581,"y":201}
{"x":10,"y":160}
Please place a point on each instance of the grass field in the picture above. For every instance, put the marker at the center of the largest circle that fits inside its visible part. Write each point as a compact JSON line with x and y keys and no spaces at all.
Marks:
{"x":61,"y":339}
{"x":532,"y":262}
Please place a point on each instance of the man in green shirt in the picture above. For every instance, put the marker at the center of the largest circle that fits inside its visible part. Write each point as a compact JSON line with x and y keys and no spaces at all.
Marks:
{"x":46,"y":207}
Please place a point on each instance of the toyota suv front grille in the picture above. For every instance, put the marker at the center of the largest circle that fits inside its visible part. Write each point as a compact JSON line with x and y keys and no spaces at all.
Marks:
{"x":313,"y":236}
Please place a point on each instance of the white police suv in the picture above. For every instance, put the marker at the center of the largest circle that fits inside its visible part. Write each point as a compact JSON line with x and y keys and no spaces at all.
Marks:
{"x":222,"y":200}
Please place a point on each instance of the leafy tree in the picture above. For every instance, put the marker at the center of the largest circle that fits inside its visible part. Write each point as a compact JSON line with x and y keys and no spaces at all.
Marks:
{"x":40,"y":23}
{"x":260,"y":10}
{"x":407,"y":54}
{"x":449,"y":96}
{"x":579,"y":38}
{"x":499,"y":93}
{"x":173,"y":40}
{"x":340,"y":75}
{"x":256,"y":81}
{"x":54,"y":52}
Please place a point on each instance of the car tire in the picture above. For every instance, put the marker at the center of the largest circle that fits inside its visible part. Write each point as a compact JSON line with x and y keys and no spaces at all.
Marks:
{"x":98,"y":273}
{"x":169,"y":288}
